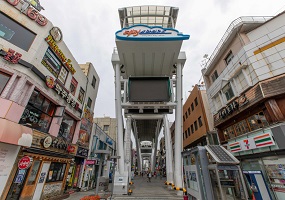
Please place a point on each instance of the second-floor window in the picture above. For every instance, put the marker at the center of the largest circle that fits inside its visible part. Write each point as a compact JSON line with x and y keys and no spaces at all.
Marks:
{"x":73,"y":86}
{"x":228,"y":92}
{"x":200,"y":121}
{"x":89,"y":102}
{"x":93,"y":82}
{"x":214,"y":76}
{"x":67,"y":127}
{"x":38,"y":113}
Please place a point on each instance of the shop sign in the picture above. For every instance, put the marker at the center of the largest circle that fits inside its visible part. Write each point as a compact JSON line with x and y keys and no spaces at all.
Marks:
{"x":32,"y":13}
{"x":109,"y":141}
{"x":243,"y":100}
{"x":223,"y":113}
{"x":42,"y":177}
{"x":66,"y":61}
{"x":25,"y":162}
{"x":56,"y":34}
{"x":150,"y":33}
{"x":82,"y":152}
{"x":91,"y":162}
{"x":12,"y":56}
{"x":47,"y":142}
{"x":71,"y":149}
{"x":20,"y":176}
{"x":263,"y":140}
{"x":61,"y":91}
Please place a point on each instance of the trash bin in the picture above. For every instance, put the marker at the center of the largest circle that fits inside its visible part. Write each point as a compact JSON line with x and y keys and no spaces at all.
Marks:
{"x":185,"y":197}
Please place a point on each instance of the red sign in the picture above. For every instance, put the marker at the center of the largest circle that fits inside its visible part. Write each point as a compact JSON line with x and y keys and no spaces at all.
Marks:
{"x":12,"y":56}
{"x":25,"y":162}
{"x":50,"y":81}
{"x":71,"y":149}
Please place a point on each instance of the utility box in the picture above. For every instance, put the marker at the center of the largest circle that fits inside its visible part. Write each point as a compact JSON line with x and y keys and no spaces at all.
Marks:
{"x":120,"y":183}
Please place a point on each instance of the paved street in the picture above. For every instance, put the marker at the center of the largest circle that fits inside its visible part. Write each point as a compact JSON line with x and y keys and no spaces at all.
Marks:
{"x":142,"y":190}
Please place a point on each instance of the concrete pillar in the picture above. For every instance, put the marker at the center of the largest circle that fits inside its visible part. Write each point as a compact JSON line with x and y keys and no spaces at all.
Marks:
{"x":168,"y":151}
{"x":128,"y":146}
{"x":178,"y":129}
{"x":120,"y":142}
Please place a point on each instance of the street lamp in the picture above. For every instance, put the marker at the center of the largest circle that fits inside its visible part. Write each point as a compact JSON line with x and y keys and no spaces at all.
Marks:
{"x":101,"y":152}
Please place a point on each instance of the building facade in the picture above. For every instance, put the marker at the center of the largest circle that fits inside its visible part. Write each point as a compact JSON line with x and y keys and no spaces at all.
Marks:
{"x":197,"y":119}
{"x":245,"y":80}
{"x":108,"y":125}
{"x":43,"y":96}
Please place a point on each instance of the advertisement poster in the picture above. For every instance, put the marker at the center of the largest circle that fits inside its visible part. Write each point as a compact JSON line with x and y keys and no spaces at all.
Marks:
{"x":8,"y":155}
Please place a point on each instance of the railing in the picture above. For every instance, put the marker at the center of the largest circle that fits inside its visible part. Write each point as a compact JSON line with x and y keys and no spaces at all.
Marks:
{"x":231,"y":27}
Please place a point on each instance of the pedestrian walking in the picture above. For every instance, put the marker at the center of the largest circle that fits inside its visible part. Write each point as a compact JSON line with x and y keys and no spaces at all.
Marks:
{"x":149,"y":176}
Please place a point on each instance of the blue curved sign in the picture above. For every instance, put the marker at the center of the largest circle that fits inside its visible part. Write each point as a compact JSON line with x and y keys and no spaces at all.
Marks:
{"x":150,"y":33}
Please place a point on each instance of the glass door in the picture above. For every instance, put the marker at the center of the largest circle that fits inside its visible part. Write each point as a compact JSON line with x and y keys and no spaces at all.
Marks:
{"x":17,"y":185}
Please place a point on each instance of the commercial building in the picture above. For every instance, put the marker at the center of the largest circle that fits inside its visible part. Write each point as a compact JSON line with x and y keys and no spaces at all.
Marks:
{"x":43,"y":96}
{"x":108,"y":125}
{"x":197,"y":118}
{"x":245,"y":86}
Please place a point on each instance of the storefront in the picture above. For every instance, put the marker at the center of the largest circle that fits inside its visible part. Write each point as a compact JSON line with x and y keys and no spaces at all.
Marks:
{"x":42,"y":169}
{"x":262,"y":161}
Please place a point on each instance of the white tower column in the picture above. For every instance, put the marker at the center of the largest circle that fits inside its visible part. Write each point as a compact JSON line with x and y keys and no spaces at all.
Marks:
{"x":168,"y":151}
{"x":178,"y":128}
{"x":120,"y":141}
{"x":128,"y":146}
{"x":139,"y":155}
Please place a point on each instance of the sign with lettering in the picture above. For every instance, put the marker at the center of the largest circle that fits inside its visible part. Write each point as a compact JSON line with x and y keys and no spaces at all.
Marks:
{"x":56,"y":34}
{"x":25,"y":162}
{"x":47,"y":142}
{"x":223,"y":113}
{"x":20,"y":176}
{"x":61,"y":91}
{"x":82,"y":152}
{"x":66,"y":61}
{"x":12,"y":56}
{"x":150,"y":33}
{"x":85,"y":127}
{"x":109,"y":141}
{"x":258,"y":141}
{"x":30,"y":11}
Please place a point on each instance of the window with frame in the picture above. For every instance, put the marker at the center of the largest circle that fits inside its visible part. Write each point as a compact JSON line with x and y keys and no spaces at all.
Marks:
{"x":196,"y":125}
{"x":229,"y":133}
{"x":200,"y":121}
{"x":184,"y":118}
{"x":93,"y":82}
{"x":56,"y":172}
{"x":89,"y":102}
{"x":192,"y":128}
{"x":257,"y":121}
{"x":188,"y":130}
{"x":228,"y":92}
{"x":192,"y":106}
{"x":196,"y":101}
{"x":14,"y":33}
{"x":67,"y":127}
{"x":38,"y":113}
{"x":229,"y":57}
{"x":73,"y":86}
{"x":214,"y":76}
{"x":106,"y":128}
{"x":54,"y":65}
{"x":81,"y":95}
{"x":188,"y":111}
{"x":186,"y":114}
{"x":4,"y":78}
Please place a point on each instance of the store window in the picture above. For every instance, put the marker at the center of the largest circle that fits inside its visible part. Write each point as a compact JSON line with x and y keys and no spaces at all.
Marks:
{"x":228,"y":92}
{"x":67,"y":127}
{"x":54,"y":65}
{"x":73,"y":86}
{"x":38,"y":113}
{"x":257,"y":121}
{"x":33,"y":173}
{"x":81,"y":95}
{"x":14,"y":33}
{"x":4,"y":78}
{"x":56,"y":172}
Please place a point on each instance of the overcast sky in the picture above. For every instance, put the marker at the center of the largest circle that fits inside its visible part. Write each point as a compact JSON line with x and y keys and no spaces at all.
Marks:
{"x":89,"y":28}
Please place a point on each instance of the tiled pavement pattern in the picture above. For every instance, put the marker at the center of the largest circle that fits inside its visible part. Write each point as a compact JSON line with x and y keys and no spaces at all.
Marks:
{"x":142,"y":190}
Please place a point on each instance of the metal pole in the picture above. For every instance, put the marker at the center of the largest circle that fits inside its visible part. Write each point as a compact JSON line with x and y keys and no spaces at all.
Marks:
{"x":120,"y":141}
{"x":178,"y":129}
{"x":99,"y":174}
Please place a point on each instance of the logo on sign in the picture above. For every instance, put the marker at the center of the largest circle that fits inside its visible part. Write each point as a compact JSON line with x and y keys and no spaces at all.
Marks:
{"x":25,"y":162}
{"x":47,"y":142}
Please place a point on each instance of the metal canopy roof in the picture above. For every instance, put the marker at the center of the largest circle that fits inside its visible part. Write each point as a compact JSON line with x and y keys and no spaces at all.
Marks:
{"x":164,"y":16}
{"x":148,"y":58}
{"x":146,"y":128}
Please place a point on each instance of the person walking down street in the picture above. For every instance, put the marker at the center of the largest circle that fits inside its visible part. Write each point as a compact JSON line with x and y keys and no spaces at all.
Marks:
{"x":149,"y":176}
